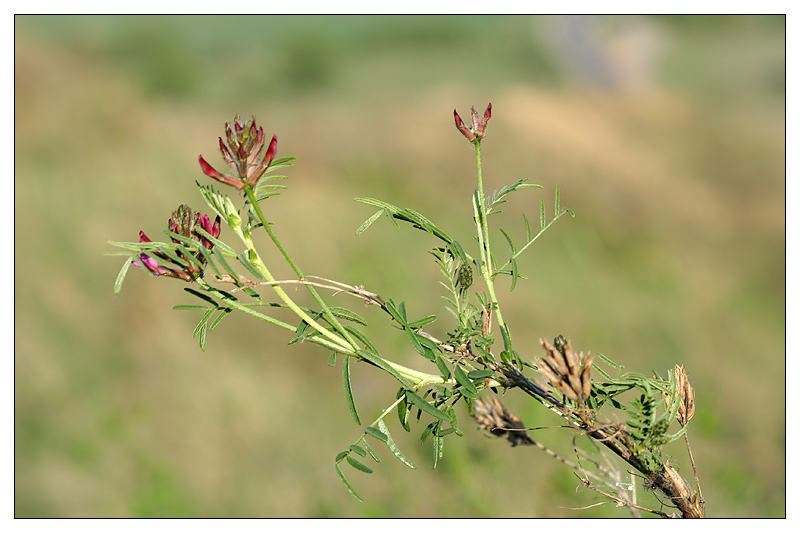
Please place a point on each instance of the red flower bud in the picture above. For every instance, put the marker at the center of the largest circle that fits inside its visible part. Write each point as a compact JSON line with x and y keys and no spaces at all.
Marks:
{"x":478,"y":129}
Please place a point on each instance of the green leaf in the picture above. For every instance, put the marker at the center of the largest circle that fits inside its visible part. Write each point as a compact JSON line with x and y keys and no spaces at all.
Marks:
{"x":225,"y":312}
{"x":218,"y":252}
{"x":393,"y":447}
{"x":341,"y":312}
{"x":392,"y":309}
{"x":401,"y":308}
{"x":403,"y":412}
{"x":528,"y":232}
{"x":203,"y":321}
{"x":412,"y":338}
{"x":542,"y":215}
{"x":558,"y":200}
{"x":380,"y":363}
{"x":121,"y":276}
{"x":202,"y":296}
{"x":480,"y":374}
{"x":172,"y":255}
{"x":358,"y":465}
{"x":359,"y":450}
{"x":464,"y":381}
{"x":378,"y":434}
{"x":217,"y":243}
{"x":188,"y":307}
{"x":442,"y":366}
{"x":427,"y":431}
{"x":422,"y":322}
{"x":347,"y":483}
{"x":438,"y":448}
{"x":360,"y":336}
{"x":249,"y":266}
{"x":371,"y":452}
{"x":367,"y":223}
{"x":348,"y":391}
{"x":407,"y":215}
{"x":210,"y":260}
{"x":425,"y":406}
{"x":510,"y":242}
{"x":514,"y":274}
{"x":458,"y":251}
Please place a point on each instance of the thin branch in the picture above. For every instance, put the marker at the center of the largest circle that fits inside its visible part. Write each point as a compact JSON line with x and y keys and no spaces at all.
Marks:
{"x":620,"y":501}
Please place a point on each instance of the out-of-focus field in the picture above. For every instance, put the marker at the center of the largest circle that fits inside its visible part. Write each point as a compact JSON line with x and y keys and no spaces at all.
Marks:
{"x":666,"y":135}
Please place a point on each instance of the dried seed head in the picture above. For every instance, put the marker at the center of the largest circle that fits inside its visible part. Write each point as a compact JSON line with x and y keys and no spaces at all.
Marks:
{"x":570,"y":373}
{"x":686,"y":391}
{"x":493,"y":417}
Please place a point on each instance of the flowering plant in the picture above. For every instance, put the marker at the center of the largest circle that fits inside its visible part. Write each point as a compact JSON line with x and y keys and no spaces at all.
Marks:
{"x":469,"y":365}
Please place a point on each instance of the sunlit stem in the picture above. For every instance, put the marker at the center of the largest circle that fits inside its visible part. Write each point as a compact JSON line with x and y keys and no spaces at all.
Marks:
{"x":417,"y":378}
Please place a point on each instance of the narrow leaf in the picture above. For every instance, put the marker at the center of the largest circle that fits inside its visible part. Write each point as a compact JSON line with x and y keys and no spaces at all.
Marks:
{"x":528,"y":232}
{"x":542,"y":214}
{"x":422,"y":322}
{"x":371,"y":452}
{"x":224,"y":263}
{"x":348,"y":391}
{"x":225,"y":312}
{"x":368,"y":222}
{"x":359,"y":450}
{"x":510,"y":242}
{"x":347,"y":483}
{"x":514,"y":274}
{"x":202,"y":323}
{"x":249,"y":266}
{"x":393,"y":447}
{"x":379,"y":362}
{"x":558,"y":200}
{"x":425,"y":406}
{"x":438,"y":449}
{"x":358,"y":465}
{"x":464,"y":381}
{"x":378,"y":434}
{"x":480,"y":374}
{"x":121,"y":276}
{"x":202,"y":296}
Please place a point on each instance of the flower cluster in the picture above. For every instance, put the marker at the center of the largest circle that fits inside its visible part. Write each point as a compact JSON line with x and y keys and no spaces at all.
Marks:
{"x":478,"y":129}
{"x":185,"y":223}
{"x":244,"y":153}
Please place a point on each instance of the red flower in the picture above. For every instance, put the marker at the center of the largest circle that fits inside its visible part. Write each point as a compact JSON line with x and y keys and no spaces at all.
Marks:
{"x":185,"y":223}
{"x":478,"y":129}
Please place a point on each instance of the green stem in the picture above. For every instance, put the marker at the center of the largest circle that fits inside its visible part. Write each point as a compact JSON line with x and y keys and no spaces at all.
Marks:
{"x":486,"y":254}
{"x":419,"y":379}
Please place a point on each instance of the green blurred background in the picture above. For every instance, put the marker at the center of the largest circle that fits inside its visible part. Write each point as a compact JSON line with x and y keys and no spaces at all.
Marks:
{"x":666,"y":135}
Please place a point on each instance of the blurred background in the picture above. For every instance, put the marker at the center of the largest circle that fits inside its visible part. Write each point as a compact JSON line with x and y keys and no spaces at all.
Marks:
{"x":666,"y":135}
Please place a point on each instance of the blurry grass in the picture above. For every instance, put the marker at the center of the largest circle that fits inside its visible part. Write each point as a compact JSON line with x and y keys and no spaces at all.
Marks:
{"x":676,"y":255}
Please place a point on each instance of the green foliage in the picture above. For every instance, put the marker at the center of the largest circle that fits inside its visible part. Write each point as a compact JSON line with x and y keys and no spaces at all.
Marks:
{"x":465,"y":360}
